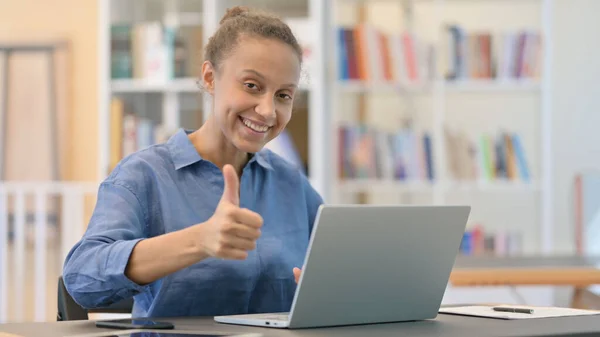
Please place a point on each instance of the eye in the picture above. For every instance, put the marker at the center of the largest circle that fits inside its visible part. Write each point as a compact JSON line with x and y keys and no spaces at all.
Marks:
{"x":285,"y":97}
{"x":251,"y":86}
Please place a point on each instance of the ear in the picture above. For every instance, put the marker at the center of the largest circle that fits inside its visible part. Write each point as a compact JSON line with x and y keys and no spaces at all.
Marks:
{"x":208,"y":77}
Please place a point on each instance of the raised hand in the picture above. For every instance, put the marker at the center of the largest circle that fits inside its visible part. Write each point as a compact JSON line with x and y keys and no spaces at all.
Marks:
{"x":232,"y":231}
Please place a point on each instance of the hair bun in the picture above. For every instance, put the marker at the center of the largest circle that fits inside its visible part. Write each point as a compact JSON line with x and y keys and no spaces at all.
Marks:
{"x":233,"y":12}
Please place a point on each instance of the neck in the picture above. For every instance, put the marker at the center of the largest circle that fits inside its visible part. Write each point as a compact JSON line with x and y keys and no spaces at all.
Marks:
{"x":212,"y":145}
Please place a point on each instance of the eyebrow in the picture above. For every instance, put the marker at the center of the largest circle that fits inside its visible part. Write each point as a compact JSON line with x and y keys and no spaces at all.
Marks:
{"x":289,"y":85}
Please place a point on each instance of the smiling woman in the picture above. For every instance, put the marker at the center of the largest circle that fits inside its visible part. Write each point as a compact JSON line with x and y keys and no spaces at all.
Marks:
{"x":209,"y":223}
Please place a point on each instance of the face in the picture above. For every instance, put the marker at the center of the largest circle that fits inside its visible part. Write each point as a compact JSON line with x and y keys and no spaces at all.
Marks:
{"x":253,"y":91}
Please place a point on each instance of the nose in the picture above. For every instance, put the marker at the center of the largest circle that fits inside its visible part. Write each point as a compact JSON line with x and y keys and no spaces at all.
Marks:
{"x":266,"y":107}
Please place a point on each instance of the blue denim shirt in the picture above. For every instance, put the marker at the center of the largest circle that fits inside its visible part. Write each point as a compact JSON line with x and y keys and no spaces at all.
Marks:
{"x":168,"y":187}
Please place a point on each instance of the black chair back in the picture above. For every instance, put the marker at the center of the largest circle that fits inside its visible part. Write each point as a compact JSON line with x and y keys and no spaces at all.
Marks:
{"x":69,"y":310}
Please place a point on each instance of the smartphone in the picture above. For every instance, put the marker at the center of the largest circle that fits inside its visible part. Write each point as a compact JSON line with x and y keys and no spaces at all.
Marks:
{"x":134,"y":323}
{"x":152,"y":333}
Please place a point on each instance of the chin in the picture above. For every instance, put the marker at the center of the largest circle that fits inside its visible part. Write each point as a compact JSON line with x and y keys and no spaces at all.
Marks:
{"x":245,"y":146}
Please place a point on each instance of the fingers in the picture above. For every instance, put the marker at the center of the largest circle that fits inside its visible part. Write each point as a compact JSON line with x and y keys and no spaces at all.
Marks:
{"x":297,"y":273}
{"x":236,"y":242}
{"x":242,"y":215}
{"x":231,"y":253}
{"x":243,"y":231}
{"x":231,"y":190}
{"x":248,"y":217}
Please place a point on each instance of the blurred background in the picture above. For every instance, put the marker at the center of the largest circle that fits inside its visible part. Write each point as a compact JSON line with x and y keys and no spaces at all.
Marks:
{"x":492,"y":103}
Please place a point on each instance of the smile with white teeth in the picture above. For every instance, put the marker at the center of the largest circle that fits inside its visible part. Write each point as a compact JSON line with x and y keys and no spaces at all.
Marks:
{"x":254,"y":126}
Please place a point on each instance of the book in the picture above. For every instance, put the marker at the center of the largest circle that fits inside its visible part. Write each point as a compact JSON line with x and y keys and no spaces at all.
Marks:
{"x":155,"y":52}
{"x":368,"y":54}
{"x":368,"y":152}
{"x":508,"y":55}
{"x":486,"y":158}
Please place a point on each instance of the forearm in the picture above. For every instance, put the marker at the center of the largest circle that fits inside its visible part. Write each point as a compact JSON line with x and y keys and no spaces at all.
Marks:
{"x":157,"y":257}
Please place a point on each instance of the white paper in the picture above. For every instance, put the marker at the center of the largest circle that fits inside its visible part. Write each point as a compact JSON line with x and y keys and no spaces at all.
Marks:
{"x":538,"y":312}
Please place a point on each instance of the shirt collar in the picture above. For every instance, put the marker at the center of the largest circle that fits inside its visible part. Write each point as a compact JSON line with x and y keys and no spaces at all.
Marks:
{"x":261,"y":159}
{"x":183,"y":152}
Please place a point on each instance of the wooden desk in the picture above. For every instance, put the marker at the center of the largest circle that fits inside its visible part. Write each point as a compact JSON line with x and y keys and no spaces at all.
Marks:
{"x":568,"y":270}
{"x":577,"y":271}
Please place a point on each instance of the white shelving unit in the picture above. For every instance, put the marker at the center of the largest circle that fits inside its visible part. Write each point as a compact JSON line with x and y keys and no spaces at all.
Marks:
{"x":525,"y":85}
{"x":142,"y":92}
{"x":325,"y":94}
{"x":442,"y":93}
{"x":120,"y":86}
{"x":208,"y":13}
{"x":387,"y":185}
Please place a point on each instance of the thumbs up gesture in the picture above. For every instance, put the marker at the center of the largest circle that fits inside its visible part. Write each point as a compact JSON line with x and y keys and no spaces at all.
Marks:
{"x":232,"y":231}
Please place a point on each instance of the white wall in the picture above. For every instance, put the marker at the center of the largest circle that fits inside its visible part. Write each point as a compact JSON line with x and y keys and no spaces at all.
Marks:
{"x":576,"y":105}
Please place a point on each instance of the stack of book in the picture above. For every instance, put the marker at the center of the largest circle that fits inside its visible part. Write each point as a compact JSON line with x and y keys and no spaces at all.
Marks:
{"x":367,"y":152}
{"x":488,"y":158}
{"x":476,"y":241}
{"x":367,"y":54}
{"x":509,"y":55}
{"x":130,"y":133}
{"x":154,"y":52}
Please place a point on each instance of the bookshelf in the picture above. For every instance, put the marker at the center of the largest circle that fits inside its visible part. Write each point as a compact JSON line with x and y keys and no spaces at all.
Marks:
{"x":479,"y":105}
{"x":486,"y":112}
{"x":148,"y":75}
{"x":142,"y":106}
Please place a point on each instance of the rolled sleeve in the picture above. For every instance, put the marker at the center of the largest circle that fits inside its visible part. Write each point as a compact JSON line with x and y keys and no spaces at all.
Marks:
{"x":94,"y":270}
{"x":118,"y":257}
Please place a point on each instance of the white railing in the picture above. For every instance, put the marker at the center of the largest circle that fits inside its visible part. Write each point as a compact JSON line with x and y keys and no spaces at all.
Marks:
{"x":33,"y":248}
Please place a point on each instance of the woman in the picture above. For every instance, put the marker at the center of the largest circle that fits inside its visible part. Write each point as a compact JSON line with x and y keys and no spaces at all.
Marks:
{"x":175,"y":228}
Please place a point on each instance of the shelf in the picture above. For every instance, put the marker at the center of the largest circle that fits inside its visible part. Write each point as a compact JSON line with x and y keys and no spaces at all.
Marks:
{"x":354,"y":86}
{"x":176,"y":85}
{"x":421,"y":1}
{"x":392,"y":186}
{"x":365,"y":1}
{"x":494,"y":186}
{"x":492,"y":85}
{"x":140,"y":85}
{"x":380,"y":185}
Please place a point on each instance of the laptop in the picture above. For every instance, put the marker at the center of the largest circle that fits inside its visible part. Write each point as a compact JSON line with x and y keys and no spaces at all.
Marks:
{"x":371,"y":264}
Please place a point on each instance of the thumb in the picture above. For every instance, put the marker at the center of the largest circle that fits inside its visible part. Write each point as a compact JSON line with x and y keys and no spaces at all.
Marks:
{"x":231,"y":191}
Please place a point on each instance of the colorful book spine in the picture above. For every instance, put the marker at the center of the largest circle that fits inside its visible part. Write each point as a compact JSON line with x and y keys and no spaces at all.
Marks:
{"x":476,"y":241}
{"x":367,"y":152}
{"x":510,"y":55}
{"x":368,"y":54}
